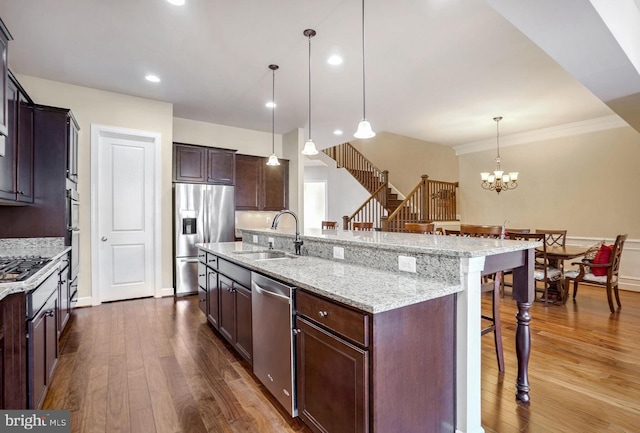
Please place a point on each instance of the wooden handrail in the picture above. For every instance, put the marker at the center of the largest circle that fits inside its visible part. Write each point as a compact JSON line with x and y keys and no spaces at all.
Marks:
{"x":430,"y":200}
{"x":371,"y":210}
{"x":363,"y":170}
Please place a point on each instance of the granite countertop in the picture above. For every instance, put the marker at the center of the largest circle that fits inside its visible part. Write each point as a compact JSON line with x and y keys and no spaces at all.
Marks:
{"x":54,"y":252}
{"x":361,"y":287}
{"x":453,"y":246}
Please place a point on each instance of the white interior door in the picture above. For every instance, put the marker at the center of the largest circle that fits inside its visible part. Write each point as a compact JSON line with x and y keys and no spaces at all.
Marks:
{"x":125,"y":216}
{"x":315,"y":193}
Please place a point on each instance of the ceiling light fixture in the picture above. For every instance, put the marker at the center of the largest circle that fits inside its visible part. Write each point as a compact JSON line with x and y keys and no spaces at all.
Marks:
{"x":176,"y":2}
{"x":498,"y":180}
{"x":337,"y":132}
{"x":309,"y":146}
{"x":152,"y":78}
{"x":334,"y":60}
{"x":364,"y":127}
{"x":273,"y":159}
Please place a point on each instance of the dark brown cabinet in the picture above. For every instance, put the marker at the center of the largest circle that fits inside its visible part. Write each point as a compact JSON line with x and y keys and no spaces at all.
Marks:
{"x":229,"y":302}
{"x":54,"y":135}
{"x":5,"y":37}
{"x":43,"y":353}
{"x":259,"y":186}
{"x":365,"y":365}
{"x":64,"y":297}
{"x":13,"y":374}
{"x":198,"y":164}
{"x":213,"y":298}
{"x":16,"y":166}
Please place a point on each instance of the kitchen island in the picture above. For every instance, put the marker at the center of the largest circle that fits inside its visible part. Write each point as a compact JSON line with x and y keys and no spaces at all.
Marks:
{"x":367,"y":279}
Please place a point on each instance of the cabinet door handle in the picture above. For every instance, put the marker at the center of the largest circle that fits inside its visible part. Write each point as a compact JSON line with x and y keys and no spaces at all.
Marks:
{"x":297,"y":331}
{"x":323,"y":314}
{"x":49,"y":313}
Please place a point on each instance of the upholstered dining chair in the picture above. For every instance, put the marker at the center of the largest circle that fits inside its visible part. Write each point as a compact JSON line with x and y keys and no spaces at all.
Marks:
{"x":489,"y":286}
{"x":602,"y":270}
{"x":329,"y":225}
{"x":543,"y":271}
{"x":363,"y":226}
{"x":425,"y":228}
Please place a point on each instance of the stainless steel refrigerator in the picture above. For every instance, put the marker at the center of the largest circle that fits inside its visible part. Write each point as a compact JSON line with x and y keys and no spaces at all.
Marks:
{"x":202,"y":213}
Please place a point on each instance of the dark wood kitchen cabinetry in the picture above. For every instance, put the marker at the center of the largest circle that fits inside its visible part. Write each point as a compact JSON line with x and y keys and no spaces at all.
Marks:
{"x":16,"y":166}
{"x":259,"y":186}
{"x":199,"y":164}
{"x":229,"y":302}
{"x":43,"y":339}
{"x":357,"y":372}
{"x":55,"y":132}
{"x":235,"y":307}
{"x":5,"y":37}
{"x":64,"y":295}
{"x":13,"y":356}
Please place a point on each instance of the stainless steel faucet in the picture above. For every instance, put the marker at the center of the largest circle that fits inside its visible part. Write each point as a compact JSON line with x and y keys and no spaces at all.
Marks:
{"x":274,"y":225}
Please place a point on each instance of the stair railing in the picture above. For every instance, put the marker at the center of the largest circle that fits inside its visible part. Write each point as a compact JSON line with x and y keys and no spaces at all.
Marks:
{"x":430,"y":200}
{"x":348,"y":157}
{"x":371,"y":210}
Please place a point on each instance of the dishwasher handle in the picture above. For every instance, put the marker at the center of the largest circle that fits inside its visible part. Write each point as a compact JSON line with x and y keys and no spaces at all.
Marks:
{"x":265,"y":291}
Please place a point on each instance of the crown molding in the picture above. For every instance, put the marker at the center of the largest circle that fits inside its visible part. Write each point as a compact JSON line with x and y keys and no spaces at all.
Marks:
{"x":567,"y":130}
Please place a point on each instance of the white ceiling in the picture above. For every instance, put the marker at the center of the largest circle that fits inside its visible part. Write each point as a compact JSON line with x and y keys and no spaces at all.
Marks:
{"x":437,"y":70}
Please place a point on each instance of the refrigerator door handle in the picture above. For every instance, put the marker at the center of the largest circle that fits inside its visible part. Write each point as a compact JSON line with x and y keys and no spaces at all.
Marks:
{"x":188,"y":260}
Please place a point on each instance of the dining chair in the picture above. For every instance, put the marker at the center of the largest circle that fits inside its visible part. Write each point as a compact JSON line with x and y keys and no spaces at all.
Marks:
{"x":490,"y":286}
{"x":425,"y":228}
{"x":451,"y":232}
{"x":508,"y":271}
{"x":329,"y":225}
{"x":602,"y":270}
{"x":543,"y":271}
{"x":363,"y":225}
{"x":554,"y":238}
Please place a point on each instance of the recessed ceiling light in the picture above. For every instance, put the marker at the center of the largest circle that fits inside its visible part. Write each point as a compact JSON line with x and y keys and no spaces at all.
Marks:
{"x":334,"y":60}
{"x":152,"y":78}
{"x":337,"y":132}
{"x":271,"y":104}
{"x":176,"y":2}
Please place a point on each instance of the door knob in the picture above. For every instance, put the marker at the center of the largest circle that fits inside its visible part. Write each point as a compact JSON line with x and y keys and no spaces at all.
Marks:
{"x":104,"y":239}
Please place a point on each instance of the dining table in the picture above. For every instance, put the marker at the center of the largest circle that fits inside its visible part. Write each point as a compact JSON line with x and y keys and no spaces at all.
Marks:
{"x":557,"y":255}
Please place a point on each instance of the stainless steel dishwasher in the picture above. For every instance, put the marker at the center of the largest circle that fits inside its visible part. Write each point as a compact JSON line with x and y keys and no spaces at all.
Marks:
{"x":273,"y":343}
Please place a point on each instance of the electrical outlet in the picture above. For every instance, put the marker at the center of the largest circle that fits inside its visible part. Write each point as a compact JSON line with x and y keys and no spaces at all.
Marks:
{"x":407,"y":264}
{"x":270,"y":240}
{"x":338,"y":253}
{"x":255,"y":239}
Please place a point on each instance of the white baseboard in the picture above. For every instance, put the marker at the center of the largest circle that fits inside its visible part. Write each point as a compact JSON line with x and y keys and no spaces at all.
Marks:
{"x":164,"y":292}
{"x":86,"y":301}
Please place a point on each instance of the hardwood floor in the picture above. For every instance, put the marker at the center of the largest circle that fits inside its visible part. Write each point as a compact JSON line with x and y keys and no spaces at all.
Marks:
{"x":155,"y":365}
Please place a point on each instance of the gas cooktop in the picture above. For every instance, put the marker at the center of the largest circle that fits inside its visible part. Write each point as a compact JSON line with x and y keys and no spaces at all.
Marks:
{"x":20,"y":268}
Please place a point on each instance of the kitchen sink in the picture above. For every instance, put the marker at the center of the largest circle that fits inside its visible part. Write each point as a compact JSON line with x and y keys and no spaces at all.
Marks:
{"x":266,"y":255}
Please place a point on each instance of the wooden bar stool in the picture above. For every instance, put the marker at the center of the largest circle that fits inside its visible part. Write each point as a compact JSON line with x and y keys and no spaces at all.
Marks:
{"x":332,"y":225}
{"x":425,"y":228}
{"x":363,"y":226}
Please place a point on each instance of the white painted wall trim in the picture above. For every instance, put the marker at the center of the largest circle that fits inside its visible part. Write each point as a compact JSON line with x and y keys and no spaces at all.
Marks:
{"x":568,"y":130}
{"x":98,"y":131}
{"x":629,"y":266}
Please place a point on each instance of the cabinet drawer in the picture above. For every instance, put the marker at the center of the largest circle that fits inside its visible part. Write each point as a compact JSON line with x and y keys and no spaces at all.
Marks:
{"x":235,"y":272}
{"x":212,"y":261}
{"x":202,"y":275}
{"x":342,"y":320}
{"x":202,"y":256}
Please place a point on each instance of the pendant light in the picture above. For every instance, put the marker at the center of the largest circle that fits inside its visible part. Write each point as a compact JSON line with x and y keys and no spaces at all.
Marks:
{"x":499,"y":181}
{"x":273,"y":159}
{"x":309,"y":146}
{"x":364,"y":127}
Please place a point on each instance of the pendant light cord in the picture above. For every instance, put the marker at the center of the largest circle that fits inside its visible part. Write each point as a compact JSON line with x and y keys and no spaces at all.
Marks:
{"x":364,"y":105}
{"x":310,"y":87}
{"x":273,"y":111}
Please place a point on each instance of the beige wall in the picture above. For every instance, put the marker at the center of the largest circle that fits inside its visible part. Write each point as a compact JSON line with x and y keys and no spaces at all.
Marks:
{"x":407,"y":159}
{"x":245,"y":141}
{"x":585,"y":184}
{"x":110,"y":109}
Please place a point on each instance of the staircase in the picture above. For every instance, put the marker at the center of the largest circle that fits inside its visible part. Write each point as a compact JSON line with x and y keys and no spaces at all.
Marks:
{"x":428,"y":201}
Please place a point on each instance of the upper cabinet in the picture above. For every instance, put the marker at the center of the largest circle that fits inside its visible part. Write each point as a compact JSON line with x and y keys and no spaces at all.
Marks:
{"x":16,"y":166}
{"x":198,"y":164}
{"x":259,"y":186}
{"x":5,"y":37}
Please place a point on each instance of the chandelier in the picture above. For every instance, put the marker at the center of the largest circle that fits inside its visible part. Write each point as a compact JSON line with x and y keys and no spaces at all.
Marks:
{"x":498,"y":180}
